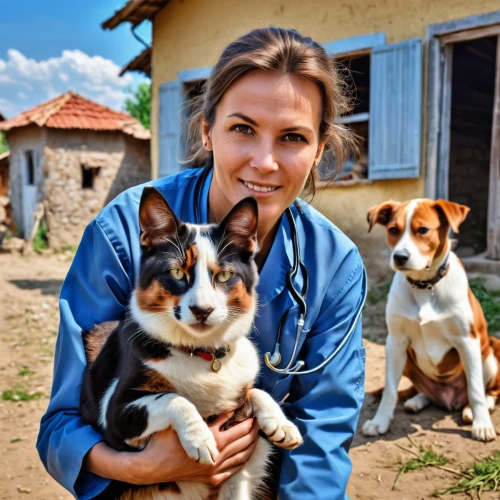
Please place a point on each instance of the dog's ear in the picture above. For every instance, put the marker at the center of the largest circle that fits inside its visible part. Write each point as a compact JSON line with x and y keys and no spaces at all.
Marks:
{"x":381,"y":214}
{"x":453,"y":213}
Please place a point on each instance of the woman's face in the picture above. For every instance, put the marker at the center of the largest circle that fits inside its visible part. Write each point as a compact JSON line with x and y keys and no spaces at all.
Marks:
{"x":265,"y":140}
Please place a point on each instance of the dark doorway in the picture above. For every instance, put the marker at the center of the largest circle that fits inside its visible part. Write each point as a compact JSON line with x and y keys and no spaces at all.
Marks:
{"x":472,"y":97}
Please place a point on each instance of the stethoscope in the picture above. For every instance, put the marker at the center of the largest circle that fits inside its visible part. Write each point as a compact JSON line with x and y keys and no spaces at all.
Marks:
{"x":273,"y":360}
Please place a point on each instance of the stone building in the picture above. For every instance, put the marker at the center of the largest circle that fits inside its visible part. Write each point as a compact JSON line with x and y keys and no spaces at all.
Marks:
{"x":74,"y":156}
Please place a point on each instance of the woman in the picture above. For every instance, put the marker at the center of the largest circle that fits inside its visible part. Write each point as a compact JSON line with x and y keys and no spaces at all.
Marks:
{"x":266,"y":117}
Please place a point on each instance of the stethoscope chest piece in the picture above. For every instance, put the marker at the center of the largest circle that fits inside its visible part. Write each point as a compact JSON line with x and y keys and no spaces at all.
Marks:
{"x":275,"y":359}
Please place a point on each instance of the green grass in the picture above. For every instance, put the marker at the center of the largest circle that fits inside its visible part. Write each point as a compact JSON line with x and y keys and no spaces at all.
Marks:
{"x":491,"y":307}
{"x":426,"y":458}
{"x":378,"y":292}
{"x":25,"y":371}
{"x":16,"y":394}
{"x":66,"y":248}
{"x":15,"y":440}
{"x":40,"y":241}
{"x":484,"y":476}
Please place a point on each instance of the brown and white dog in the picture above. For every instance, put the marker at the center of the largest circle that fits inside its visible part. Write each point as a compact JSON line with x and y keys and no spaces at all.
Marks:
{"x":438,"y":334}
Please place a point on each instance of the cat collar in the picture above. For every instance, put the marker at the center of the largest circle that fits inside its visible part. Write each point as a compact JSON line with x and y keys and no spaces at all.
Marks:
{"x":213,"y":355}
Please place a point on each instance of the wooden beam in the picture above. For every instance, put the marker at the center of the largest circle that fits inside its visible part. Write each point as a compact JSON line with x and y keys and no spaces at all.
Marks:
{"x":434,"y":84}
{"x":121,"y":15}
{"x":472,"y":34}
{"x":443,"y":167}
{"x":493,"y":243}
{"x":465,"y":23}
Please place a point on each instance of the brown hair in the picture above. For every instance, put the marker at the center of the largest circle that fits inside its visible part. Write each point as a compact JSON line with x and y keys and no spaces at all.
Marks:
{"x":286,"y":52}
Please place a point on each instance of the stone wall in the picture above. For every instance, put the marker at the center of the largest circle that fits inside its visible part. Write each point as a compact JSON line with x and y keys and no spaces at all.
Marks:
{"x":121,"y":162}
{"x":469,"y":185}
{"x":135,"y":168}
{"x":20,"y":140}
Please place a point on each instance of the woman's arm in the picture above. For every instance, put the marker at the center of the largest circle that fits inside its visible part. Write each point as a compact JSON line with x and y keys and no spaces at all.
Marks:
{"x":165,"y":460}
{"x":326,"y":404}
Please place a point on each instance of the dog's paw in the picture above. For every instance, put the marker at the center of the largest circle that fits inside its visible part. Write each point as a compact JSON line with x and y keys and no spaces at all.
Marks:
{"x":467,"y":415}
{"x":416,"y":403}
{"x":375,"y":427}
{"x":199,"y":443}
{"x":483,"y":432}
{"x":282,"y":433}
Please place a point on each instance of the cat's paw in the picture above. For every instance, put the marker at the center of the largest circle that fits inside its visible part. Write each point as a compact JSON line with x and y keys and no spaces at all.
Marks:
{"x":282,"y":432}
{"x":199,"y":443}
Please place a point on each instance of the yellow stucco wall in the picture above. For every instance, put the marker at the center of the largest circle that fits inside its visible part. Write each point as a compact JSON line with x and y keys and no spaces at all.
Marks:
{"x":192,"y":33}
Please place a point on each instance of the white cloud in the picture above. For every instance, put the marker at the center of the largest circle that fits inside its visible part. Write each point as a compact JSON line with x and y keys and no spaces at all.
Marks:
{"x":94,"y":77}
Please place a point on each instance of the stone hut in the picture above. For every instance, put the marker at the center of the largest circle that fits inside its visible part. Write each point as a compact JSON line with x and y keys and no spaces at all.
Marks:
{"x":74,"y":155}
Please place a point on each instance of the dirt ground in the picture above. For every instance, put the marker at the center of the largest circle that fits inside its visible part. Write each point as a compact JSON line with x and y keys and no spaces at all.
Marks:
{"x":29,"y":287}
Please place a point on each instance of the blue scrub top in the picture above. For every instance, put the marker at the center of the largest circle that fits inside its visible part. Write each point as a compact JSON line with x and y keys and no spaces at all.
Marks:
{"x":324,"y":405}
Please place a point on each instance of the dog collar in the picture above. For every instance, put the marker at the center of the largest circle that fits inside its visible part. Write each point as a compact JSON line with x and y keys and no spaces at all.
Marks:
{"x":213,"y":355}
{"x":429,"y":284}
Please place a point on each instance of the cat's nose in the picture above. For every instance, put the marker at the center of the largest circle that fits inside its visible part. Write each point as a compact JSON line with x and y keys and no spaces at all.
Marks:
{"x":201,"y":314}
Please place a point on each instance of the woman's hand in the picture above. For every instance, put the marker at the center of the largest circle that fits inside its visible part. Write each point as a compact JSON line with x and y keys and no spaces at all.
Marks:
{"x":164,"y":459}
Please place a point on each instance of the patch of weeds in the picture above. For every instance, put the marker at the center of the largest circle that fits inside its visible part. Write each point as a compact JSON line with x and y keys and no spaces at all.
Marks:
{"x":15,"y":440}
{"x":24,"y":371}
{"x":426,"y":458}
{"x":67,"y":248}
{"x":491,"y":307}
{"x":378,"y":292}
{"x":484,"y":476}
{"x":40,"y":241}
{"x":17,"y":394}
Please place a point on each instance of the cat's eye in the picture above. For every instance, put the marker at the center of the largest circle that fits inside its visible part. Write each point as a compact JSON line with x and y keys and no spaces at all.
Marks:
{"x":423,"y":230}
{"x":223,"y":276}
{"x":394,"y":230}
{"x":177,"y":274}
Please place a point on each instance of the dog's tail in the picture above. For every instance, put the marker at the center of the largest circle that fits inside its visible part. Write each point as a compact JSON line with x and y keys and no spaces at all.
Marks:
{"x":403,"y":394}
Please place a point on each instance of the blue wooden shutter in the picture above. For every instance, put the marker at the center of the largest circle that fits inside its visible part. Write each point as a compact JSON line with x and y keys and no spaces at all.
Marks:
{"x":395,"y":111}
{"x":170,"y":148}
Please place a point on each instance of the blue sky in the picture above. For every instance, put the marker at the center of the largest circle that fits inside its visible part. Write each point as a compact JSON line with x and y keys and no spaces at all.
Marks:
{"x":49,"y":47}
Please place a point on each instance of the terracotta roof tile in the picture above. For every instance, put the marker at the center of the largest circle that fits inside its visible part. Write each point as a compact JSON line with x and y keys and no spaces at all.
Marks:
{"x":72,"y":111}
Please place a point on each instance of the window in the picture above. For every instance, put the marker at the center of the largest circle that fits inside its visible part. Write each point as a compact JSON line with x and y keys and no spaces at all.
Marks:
{"x":356,"y":74}
{"x":88,"y":176}
{"x":387,"y":84}
{"x":30,"y":168}
{"x":191,"y":91}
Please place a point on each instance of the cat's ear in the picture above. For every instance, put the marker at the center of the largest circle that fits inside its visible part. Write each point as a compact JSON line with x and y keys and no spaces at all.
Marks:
{"x":157,"y":220}
{"x":240,"y":224}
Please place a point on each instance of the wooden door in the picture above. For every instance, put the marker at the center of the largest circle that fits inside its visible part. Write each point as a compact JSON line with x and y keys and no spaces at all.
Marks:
{"x":494,"y":192}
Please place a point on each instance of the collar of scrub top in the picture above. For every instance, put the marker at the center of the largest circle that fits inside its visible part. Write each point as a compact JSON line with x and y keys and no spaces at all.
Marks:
{"x":272,"y":278}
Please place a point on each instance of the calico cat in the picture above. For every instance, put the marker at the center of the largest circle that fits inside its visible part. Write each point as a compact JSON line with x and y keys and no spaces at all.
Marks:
{"x":181,"y":354}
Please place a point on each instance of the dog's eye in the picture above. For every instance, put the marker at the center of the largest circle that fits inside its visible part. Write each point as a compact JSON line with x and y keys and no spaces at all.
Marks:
{"x":423,"y":230}
{"x":393,"y":230}
{"x":224,"y":276}
{"x":178,"y":274}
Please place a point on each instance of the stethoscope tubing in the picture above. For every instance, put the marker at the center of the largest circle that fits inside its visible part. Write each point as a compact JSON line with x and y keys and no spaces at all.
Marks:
{"x":300,"y":364}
